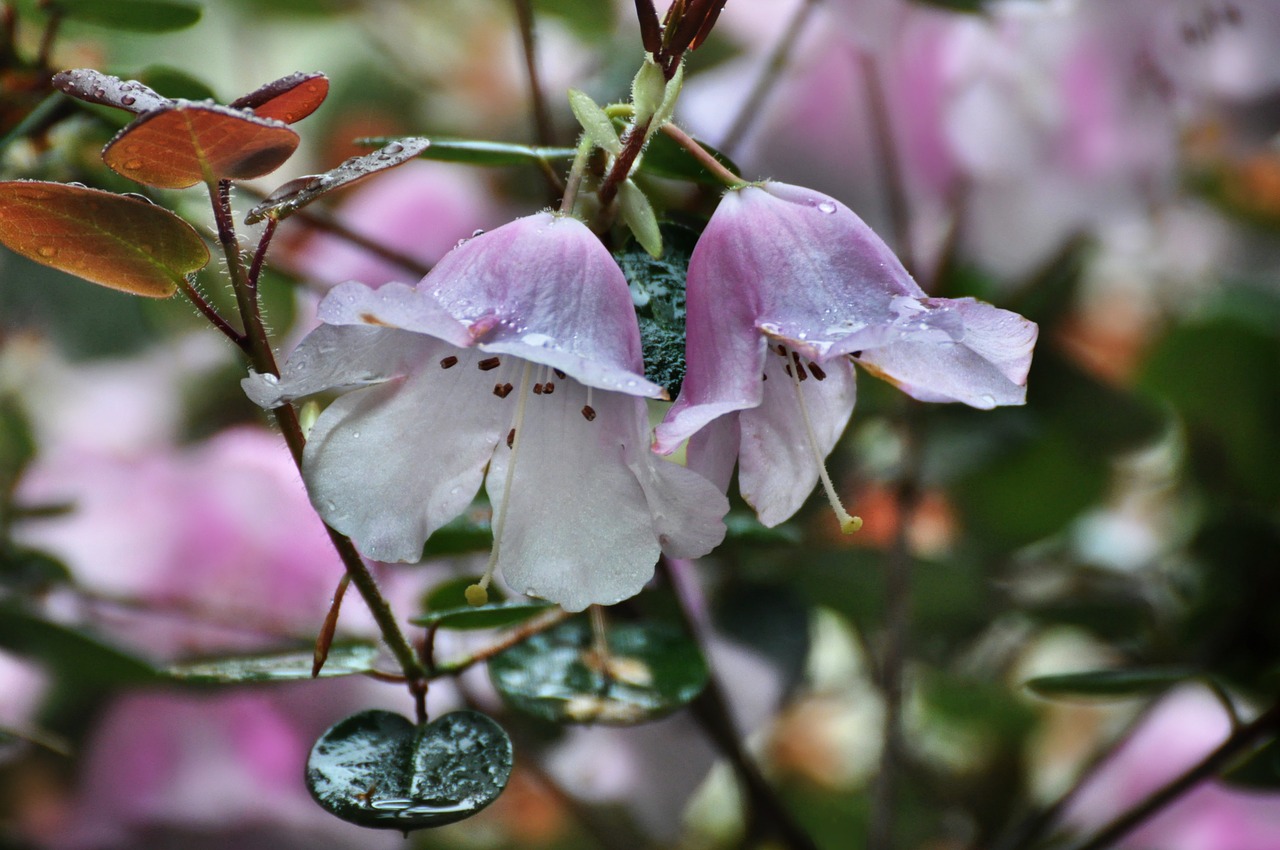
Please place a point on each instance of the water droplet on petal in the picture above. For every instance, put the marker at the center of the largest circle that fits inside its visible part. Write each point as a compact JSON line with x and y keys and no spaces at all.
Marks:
{"x":988,"y":400}
{"x":827,"y":207}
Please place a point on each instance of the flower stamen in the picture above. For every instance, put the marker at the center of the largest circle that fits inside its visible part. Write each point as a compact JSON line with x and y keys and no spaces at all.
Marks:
{"x":478,"y":593}
{"x":848,"y":523}
{"x":448,"y":362}
{"x":488,"y":364}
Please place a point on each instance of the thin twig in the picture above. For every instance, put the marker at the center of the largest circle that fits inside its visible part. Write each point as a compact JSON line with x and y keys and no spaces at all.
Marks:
{"x":1240,"y":741}
{"x":895,"y":189}
{"x":260,"y":255}
{"x":897,"y":628}
{"x":704,"y":158}
{"x":765,"y":813}
{"x":770,"y":74}
{"x":45,"y":56}
{"x":215,"y":318}
{"x":512,"y":638}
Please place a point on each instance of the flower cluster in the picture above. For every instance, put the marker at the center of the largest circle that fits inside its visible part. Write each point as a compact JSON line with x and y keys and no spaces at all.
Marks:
{"x":517,"y":361}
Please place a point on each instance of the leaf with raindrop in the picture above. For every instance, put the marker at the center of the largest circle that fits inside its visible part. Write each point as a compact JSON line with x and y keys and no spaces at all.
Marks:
{"x":377,"y":769}
{"x":650,"y":670}
{"x":348,"y":660}
{"x":183,"y":145}
{"x":95,"y":87}
{"x":475,"y":152}
{"x":296,"y":194}
{"x":288,"y":99}
{"x":120,"y":242}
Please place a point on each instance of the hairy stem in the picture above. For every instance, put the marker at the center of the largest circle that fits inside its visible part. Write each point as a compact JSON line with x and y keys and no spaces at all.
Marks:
{"x":704,"y":158}
{"x":263,"y":360}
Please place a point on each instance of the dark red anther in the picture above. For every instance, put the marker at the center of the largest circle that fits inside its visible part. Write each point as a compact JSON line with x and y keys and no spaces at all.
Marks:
{"x":588,"y":413}
{"x":448,"y":362}
{"x":816,"y":371}
{"x":511,"y":438}
{"x":489,"y":363}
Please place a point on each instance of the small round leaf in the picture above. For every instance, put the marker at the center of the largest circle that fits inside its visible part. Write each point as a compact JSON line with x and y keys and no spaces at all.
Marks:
{"x":117,"y":241}
{"x":652,"y":669}
{"x":377,"y":769}
{"x":178,"y":147}
{"x":133,"y":15}
{"x":287,"y":99}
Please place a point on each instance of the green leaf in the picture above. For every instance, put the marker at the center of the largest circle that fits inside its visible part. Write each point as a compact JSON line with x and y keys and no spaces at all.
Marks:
{"x":377,"y":769}
{"x":652,"y":669}
{"x":595,"y":123}
{"x":121,"y":242}
{"x":657,"y":291}
{"x":17,"y":444}
{"x":587,"y":18}
{"x":472,"y":531}
{"x":1110,"y":683}
{"x":473,"y":152}
{"x":744,"y":529}
{"x":343,"y":660}
{"x":665,"y":158}
{"x":637,"y":212}
{"x":133,"y":15}
{"x":79,"y":658}
{"x":494,"y":615}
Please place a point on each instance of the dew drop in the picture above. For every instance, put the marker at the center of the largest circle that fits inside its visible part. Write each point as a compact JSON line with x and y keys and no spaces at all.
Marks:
{"x":827,"y":207}
{"x":394,"y":147}
{"x":128,"y":100}
{"x":988,"y":400}
{"x":288,"y":117}
{"x":477,"y":233}
{"x":47,"y":251}
{"x":133,"y":164}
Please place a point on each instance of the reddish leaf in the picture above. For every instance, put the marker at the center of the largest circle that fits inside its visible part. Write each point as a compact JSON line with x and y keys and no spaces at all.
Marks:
{"x":114,"y":240}
{"x":296,"y":194}
{"x":89,"y":85}
{"x":177,"y":147}
{"x":288,"y":99}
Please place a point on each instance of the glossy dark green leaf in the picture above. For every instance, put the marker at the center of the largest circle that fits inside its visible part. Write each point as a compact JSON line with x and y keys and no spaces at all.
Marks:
{"x":29,"y":570}
{"x":453,"y":593}
{"x":447,"y":608}
{"x":1260,"y":771}
{"x":79,"y":658}
{"x":652,"y":670}
{"x":342,"y":660}
{"x":743,"y":528}
{"x":297,"y":193}
{"x":133,"y":15}
{"x":665,"y":158}
{"x":475,"y":152}
{"x":377,"y":769}
{"x":1109,"y":683}
{"x":657,"y":291}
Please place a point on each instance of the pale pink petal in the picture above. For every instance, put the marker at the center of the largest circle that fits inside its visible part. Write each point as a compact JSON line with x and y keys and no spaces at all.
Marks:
{"x":687,"y":509}
{"x":777,"y":469}
{"x":388,"y":465}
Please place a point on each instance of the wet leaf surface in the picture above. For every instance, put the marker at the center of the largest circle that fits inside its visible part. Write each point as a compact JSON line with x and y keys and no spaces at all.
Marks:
{"x":94,"y":87}
{"x":117,"y":241}
{"x":177,"y":147}
{"x":377,"y":769}
{"x":652,"y":670}
{"x":296,"y":194}
{"x":287,"y":99}
{"x":276,"y":667}
{"x":476,"y":152}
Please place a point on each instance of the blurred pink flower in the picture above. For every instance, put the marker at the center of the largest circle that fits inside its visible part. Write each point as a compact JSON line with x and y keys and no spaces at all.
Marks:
{"x":1180,"y":730}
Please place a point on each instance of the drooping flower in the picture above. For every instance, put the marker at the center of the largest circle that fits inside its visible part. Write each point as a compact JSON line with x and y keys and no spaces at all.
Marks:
{"x":787,"y":289}
{"x":519,"y":353}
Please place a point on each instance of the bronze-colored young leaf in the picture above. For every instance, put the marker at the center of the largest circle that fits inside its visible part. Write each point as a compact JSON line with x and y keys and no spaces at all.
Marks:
{"x":94,"y":87}
{"x":119,"y":242}
{"x":287,"y":99}
{"x":296,"y":194}
{"x":189,"y":142}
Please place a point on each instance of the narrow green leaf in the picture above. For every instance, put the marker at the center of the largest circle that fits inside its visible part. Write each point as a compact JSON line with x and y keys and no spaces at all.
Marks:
{"x":1109,"y":683}
{"x":78,"y":658}
{"x":638,"y":213}
{"x":348,"y":660}
{"x":595,"y":123}
{"x":477,"y":152}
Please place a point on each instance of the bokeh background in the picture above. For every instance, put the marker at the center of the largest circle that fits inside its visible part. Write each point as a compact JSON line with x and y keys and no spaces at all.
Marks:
{"x":1108,"y":168}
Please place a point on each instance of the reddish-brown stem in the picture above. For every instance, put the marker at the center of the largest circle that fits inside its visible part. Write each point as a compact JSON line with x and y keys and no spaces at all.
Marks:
{"x":621,"y":170}
{"x":215,"y":318}
{"x":702,"y":155}
{"x":260,"y":255}
{"x":512,"y":638}
{"x":324,"y":640}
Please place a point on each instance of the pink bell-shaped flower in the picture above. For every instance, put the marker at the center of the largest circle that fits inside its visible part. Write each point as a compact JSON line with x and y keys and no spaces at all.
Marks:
{"x":518,"y":354}
{"x":787,"y":289}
